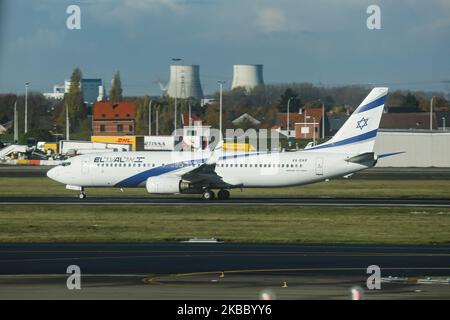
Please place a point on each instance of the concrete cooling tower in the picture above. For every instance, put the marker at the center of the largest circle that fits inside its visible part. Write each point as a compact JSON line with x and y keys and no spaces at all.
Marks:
{"x":247,"y":76}
{"x":185,"y":82}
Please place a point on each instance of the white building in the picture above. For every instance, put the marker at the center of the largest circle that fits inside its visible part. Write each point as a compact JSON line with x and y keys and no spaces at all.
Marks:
{"x":57,"y":94}
{"x":93,"y":90}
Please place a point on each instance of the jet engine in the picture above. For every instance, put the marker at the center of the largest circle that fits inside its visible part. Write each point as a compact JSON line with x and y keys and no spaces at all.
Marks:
{"x":171,"y":185}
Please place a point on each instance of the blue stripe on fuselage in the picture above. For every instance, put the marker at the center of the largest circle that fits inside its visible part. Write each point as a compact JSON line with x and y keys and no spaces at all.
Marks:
{"x":141,"y":177}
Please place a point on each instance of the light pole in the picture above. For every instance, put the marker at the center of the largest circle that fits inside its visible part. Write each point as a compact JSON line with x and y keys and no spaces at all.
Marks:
{"x":176,"y":92}
{"x":221,"y":82}
{"x":323,"y":120}
{"x":16,"y":124}
{"x":150,"y":117}
{"x":26,"y":106}
{"x":190,"y":114}
{"x":67,"y":123}
{"x":157,"y":120}
{"x":443,"y":121}
{"x":306,"y":124}
{"x":287,"y":124}
{"x":314,"y":131}
{"x":431,"y":113}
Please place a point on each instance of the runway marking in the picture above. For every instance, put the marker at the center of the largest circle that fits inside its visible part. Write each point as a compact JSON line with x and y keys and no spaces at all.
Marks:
{"x":303,"y":269}
{"x":158,"y":280}
{"x":225,"y":254}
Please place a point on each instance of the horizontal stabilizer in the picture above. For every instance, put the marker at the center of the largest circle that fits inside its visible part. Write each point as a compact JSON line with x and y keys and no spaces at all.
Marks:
{"x":363,"y":158}
{"x":384,"y":155}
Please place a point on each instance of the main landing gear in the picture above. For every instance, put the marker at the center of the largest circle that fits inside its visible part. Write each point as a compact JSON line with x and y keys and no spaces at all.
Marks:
{"x":82,"y":195}
{"x":221,"y":195}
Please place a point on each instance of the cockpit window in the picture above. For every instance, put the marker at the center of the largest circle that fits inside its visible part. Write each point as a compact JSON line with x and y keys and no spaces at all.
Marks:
{"x":65,"y":164}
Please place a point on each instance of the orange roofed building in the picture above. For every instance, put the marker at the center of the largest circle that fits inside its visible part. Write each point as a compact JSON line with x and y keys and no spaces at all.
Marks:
{"x":114,"y":119}
{"x":306,"y":125}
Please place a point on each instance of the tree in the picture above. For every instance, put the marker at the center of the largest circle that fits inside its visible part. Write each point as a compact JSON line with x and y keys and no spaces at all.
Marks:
{"x":38,"y":135}
{"x":410,"y":101}
{"x":75,"y":102}
{"x":115,"y":94}
{"x":142,"y":107}
{"x":212,"y":114}
{"x":282,"y":102}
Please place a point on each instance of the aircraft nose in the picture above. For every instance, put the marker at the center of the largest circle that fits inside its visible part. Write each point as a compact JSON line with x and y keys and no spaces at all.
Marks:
{"x":53,"y":173}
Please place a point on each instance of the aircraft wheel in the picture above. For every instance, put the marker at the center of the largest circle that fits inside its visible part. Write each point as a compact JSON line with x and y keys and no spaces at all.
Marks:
{"x":223,"y":194}
{"x":82,"y":195}
{"x":208,"y":195}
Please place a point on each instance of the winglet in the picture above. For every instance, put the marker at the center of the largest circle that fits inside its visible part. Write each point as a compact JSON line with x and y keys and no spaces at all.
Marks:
{"x":216,"y":154}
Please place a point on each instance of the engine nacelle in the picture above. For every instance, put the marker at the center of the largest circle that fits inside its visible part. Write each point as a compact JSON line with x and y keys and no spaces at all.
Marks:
{"x":163,"y":185}
{"x":171,"y":185}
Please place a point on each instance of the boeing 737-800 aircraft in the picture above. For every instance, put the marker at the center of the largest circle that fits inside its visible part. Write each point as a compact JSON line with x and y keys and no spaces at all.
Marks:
{"x":200,"y":172}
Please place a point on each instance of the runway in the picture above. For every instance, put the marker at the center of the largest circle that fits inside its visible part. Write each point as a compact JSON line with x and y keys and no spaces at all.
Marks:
{"x":220,"y":270}
{"x":195,"y":200}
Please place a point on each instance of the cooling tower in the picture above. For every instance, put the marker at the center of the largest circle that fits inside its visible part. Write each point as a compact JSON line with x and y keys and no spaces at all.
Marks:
{"x":185,"y":82}
{"x":247,"y":76}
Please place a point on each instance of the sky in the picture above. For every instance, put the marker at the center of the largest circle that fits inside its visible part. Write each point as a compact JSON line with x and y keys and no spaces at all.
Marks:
{"x":319,"y":41}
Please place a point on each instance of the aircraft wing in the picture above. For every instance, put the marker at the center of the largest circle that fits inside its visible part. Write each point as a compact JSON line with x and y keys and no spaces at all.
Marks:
{"x":206,"y":172}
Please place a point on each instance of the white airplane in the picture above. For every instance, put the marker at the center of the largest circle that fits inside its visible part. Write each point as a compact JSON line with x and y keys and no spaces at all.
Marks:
{"x":182,"y":172}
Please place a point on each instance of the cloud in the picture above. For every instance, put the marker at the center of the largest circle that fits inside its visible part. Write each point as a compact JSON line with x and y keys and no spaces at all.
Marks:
{"x":129,"y":11}
{"x":272,"y":20}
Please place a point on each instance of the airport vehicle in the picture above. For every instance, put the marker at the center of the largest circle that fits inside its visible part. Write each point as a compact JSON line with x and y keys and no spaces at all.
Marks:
{"x":201,"y":172}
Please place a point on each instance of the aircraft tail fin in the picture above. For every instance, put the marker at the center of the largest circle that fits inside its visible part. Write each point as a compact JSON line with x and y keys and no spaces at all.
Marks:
{"x":358,"y":133}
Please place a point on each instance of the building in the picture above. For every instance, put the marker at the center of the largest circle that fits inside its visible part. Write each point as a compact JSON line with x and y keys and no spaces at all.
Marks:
{"x":196,"y":133}
{"x":246,"y":119}
{"x":114,"y":118}
{"x":419,"y":148}
{"x":409,"y":121}
{"x":93,"y":90}
{"x":247,"y":76}
{"x":57,"y":94}
{"x":443,"y":120}
{"x":304,"y":125}
{"x":5,"y":127}
{"x":336,"y":121}
{"x":184,"y":82}
{"x":195,"y":120}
